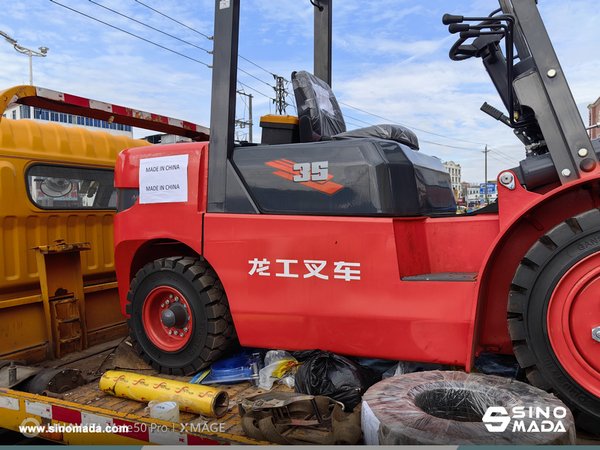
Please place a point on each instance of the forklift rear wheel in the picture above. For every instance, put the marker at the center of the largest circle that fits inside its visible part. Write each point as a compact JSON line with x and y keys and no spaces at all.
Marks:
{"x":179,"y":318}
{"x":554,"y":315}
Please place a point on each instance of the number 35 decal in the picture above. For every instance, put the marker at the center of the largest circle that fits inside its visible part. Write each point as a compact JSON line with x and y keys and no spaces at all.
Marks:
{"x":315,"y":171}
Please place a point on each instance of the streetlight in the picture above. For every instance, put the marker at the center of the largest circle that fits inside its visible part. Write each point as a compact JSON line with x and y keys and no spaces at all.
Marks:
{"x":26,"y":51}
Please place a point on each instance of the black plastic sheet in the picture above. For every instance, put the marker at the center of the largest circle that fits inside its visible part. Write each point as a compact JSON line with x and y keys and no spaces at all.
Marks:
{"x":315,"y":100}
{"x":388,"y":131}
{"x":337,"y":377}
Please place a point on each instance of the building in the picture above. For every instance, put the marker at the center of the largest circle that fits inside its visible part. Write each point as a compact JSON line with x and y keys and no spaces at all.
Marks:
{"x":474,"y":193}
{"x":594,"y":109}
{"x":164,"y":138}
{"x":492,"y":191}
{"x":471,"y":194}
{"x":454,"y":170}
{"x":17,"y":112}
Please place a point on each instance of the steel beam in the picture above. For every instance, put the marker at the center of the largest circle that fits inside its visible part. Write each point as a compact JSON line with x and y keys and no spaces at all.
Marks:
{"x":548,"y":93}
{"x":223,"y":99}
{"x":322,"y":40}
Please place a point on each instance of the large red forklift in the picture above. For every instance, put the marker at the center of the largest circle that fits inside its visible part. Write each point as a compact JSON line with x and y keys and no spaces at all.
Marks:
{"x":348,"y":241}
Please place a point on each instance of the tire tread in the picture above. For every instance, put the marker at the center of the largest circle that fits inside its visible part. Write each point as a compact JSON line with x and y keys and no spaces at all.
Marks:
{"x":525,"y":278}
{"x":220,"y":330}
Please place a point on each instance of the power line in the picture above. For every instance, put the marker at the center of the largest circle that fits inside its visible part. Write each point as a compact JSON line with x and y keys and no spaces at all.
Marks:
{"x":154,"y":43}
{"x":506,"y":155}
{"x":409,"y":126}
{"x":420,"y":140}
{"x":357,"y":119}
{"x":357,"y":125}
{"x":202,"y":34}
{"x":255,"y":77}
{"x":150,"y":26}
{"x":257,"y":65}
{"x":439,"y":144}
{"x":502,"y":159}
{"x":132,"y":34}
{"x":174,"y":20}
{"x":255,"y":90}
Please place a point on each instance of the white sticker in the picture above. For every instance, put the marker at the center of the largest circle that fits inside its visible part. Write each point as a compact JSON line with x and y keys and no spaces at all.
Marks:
{"x":224,"y":4}
{"x":38,"y":409}
{"x":162,"y":435}
{"x":94,"y":419}
{"x":9,"y":403}
{"x":164,"y":179}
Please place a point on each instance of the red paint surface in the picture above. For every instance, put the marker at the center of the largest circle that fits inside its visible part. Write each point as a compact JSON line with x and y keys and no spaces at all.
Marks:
{"x":379,"y":315}
{"x":573,"y":312}
{"x":66,"y":415}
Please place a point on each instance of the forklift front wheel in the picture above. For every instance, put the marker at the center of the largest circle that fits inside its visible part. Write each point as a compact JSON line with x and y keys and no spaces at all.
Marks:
{"x":554,"y":308}
{"x":179,"y":316}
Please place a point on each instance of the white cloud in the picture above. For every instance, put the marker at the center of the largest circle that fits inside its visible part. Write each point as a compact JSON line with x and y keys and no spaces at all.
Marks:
{"x":390,"y":57}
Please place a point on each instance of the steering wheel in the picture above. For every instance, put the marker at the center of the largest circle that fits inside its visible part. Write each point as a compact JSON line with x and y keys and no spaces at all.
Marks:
{"x":461,"y":51}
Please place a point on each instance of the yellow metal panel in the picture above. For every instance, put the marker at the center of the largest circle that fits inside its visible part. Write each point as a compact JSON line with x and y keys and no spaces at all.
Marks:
{"x":21,"y":327}
{"x":20,"y":301}
{"x":12,"y":94}
{"x":271,"y":118}
{"x":39,"y":141}
{"x":24,"y":226}
{"x":25,"y":142}
{"x":102,"y":306}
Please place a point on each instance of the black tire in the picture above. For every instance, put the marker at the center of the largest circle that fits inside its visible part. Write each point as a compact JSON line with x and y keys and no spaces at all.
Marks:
{"x":535,"y":281}
{"x":213,"y":331}
{"x":445,"y":407}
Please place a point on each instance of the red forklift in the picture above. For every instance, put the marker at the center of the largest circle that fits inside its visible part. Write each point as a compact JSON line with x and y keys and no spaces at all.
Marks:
{"x":349,"y":241}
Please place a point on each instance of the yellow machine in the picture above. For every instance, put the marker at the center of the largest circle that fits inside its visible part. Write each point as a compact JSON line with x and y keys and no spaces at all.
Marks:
{"x":57,"y":204}
{"x":58,"y":295}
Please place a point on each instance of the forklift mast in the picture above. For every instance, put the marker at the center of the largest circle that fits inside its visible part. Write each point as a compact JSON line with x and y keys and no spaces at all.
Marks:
{"x":544,"y":88}
{"x":224,"y":87}
{"x":531,"y":84}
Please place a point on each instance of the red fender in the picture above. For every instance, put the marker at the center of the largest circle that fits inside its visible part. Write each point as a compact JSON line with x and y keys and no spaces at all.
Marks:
{"x":524,"y":217}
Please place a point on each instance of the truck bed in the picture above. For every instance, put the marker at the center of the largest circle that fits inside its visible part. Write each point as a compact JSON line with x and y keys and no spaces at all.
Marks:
{"x":87,"y":404}
{"x":122,"y":421}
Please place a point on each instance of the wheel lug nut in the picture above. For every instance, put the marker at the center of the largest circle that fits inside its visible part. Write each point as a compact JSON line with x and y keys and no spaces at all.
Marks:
{"x":182,"y":334}
{"x":596,"y":334}
{"x":167,"y":302}
{"x":170,"y":295}
{"x":176,"y":333}
{"x":176,"y":299}
{"x":170,"y":332}
{"x":162,"y":305}
{"x":185,"y":329}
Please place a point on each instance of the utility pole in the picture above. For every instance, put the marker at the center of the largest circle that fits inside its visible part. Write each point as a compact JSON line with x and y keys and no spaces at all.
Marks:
{"x":243,"y":123}
{"x":280,"y":95}
{"x":26,"y":51}
{"x":486,"y":151}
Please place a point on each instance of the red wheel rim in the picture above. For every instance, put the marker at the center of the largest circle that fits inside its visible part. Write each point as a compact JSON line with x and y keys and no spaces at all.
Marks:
{"x":166,"y":336}
{"x":573,"y":312}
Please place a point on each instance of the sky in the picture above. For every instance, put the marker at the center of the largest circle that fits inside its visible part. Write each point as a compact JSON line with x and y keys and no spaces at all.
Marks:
{"x":390,"y":59}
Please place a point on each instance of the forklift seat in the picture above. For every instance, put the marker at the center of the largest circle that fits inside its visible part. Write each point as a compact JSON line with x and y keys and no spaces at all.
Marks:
{"x":320,"y":116}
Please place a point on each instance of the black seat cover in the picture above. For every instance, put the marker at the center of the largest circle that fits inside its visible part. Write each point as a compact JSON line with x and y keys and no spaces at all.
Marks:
{"x":391,"y":132}
{"x":317,"y":106}
{"x":321,"y":117}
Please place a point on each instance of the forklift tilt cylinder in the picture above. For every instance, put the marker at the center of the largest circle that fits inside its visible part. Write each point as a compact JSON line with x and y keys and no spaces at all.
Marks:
{"x":204,"y":400}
